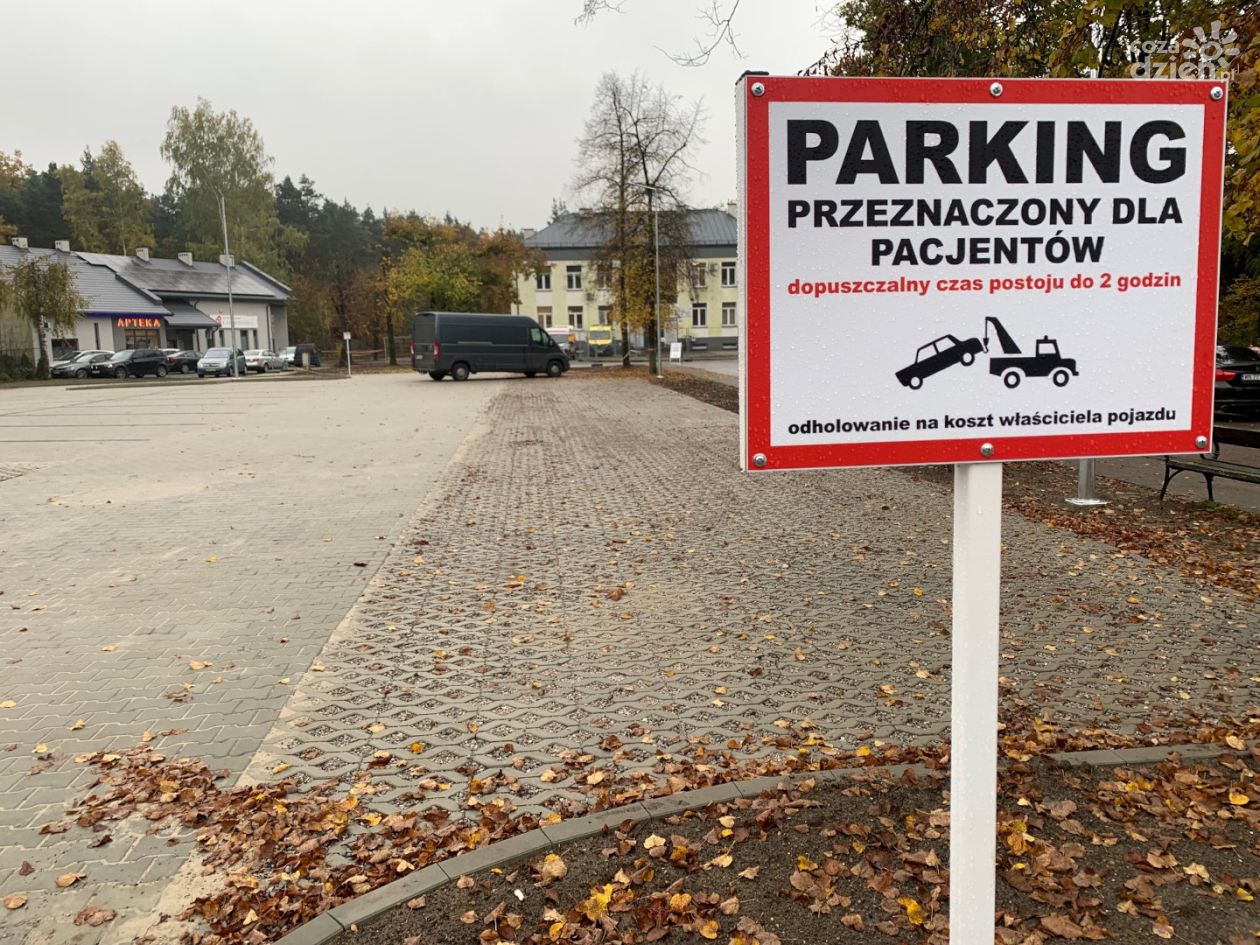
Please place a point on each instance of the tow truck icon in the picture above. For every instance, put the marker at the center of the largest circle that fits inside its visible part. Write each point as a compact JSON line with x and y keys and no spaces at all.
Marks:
{"x":1013,"y":366}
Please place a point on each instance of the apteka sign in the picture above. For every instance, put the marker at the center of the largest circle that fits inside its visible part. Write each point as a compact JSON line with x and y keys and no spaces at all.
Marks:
{"x":959,"y":270}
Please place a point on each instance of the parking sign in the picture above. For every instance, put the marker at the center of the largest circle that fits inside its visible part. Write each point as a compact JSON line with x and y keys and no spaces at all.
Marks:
{"x":958,"y":270}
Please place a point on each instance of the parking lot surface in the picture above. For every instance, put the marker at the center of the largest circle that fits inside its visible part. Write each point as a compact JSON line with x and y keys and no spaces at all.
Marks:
{"x":588,"y":574}
{"x":172,"y":556}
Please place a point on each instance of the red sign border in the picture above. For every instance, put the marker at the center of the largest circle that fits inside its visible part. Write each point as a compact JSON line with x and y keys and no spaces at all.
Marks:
{"x":756,"y":250}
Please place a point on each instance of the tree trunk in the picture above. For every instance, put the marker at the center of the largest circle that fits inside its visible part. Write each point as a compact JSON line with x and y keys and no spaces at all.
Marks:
{"x":389,"y":340}
{"x":653,"y":347}
{"x":41,"y":367}
{"x":625,"y":344}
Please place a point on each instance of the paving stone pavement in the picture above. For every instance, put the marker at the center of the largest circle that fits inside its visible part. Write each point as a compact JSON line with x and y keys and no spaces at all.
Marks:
{"x":147,"y":527}
{"x":747,"y":604}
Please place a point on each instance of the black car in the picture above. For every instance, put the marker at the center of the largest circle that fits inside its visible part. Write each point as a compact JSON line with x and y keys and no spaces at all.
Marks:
{"x":80,"y":365}
{"x":294,"y":354}
{"x":134,"y":362}
{"x":1237,"y":379}
{"x":182,"y":362}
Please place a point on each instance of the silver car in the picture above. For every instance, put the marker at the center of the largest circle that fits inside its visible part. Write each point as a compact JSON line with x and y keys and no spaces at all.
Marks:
{"x":221,"y":361}
{"x":257,"y":359}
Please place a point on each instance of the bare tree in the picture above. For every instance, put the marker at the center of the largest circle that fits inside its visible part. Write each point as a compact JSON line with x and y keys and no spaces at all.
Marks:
{"x":718,"y":17}
{"x":634,"y":163}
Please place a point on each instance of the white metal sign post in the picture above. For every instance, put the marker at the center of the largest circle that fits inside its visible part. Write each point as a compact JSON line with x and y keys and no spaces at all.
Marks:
{"x":345,"y":336}
{"x":941,"y":271}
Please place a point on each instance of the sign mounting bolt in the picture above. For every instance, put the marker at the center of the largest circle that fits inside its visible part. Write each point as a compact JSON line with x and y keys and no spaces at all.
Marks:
{"x":987,"y":449}
{"x":995,"y":89}
{"x":759,"y":460}
{"x":1217,"y":93}
{"x":1201,"y":442}
{"x":759,"y":89}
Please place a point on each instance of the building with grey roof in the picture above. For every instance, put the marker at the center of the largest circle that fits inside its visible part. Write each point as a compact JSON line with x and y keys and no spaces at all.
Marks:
{"x":142,"y":301}
{"x":568,"y":297}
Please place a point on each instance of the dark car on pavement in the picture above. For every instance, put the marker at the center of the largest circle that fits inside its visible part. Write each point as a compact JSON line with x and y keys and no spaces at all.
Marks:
{"x":80,"y":365}
{"x":294,"y":354}
{"x":133,"y":362}
{"x":936,"y":356}
{"x":182,"y":362}
{"x":1237,"y":379}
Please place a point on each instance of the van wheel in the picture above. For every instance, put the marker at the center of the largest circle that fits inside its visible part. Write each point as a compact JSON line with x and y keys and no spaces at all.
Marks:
{"x":1060,"y":377}
{"x":531,"y":373}
{"x":437,"y":375}
{"x":1012,"y":378}
{"x":460,"y":372}
{"x":554,"y":368}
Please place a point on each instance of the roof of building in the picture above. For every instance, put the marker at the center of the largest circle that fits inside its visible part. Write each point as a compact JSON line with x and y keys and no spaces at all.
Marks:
{"x":572,"y":231}
{"x":170,"y":277}
{"x":102,"y":289}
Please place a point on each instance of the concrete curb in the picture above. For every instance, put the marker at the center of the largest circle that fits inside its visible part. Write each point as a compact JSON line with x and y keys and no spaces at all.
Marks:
{"x":328,"y":925}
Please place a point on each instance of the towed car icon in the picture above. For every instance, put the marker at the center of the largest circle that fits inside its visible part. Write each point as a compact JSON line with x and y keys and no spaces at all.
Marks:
{"x":936,"y":356}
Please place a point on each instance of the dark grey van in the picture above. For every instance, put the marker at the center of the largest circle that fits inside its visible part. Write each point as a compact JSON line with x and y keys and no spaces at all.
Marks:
{"x":463,"y":343}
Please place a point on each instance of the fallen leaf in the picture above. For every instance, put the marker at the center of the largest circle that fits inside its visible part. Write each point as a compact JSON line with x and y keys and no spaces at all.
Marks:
{"x":66,"y":880}
{"x":16,"y":901}
{"x":1238,"y":798}
{"x":465,"y":882}
{"x":553,"y":868}
{"x":90,"y":915}
{"x":1061,"y":926}
{"x":7,"y":704}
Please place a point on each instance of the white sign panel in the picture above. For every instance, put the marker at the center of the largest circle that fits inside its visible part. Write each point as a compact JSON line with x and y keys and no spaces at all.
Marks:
{"x":933,"y":268}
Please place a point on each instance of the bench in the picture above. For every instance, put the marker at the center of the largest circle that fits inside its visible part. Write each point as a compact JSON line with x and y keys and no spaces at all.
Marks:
{"x":1210,"y":465}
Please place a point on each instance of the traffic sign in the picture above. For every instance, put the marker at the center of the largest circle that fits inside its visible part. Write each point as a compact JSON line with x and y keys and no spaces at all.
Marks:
{"x":958,"y":270}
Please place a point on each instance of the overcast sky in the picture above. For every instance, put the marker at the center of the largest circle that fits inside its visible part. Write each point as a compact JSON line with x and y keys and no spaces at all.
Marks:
{"x":468,"y":107}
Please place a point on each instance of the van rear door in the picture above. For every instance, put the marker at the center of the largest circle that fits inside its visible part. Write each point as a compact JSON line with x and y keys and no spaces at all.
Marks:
{"x":423,"y":334}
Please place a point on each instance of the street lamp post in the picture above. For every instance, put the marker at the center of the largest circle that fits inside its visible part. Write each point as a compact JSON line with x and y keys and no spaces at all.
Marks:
{"x":227,"y":254}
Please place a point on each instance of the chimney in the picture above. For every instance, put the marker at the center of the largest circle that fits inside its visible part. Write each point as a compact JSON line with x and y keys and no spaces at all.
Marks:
{"x":61,"y":246}
{"x":226,"y":260}
{"x":732,"y":207}
{"x":20,"y":242}
{"x":142,"y":252}
{"x":185,"y":258}
{"x":528,"y":232}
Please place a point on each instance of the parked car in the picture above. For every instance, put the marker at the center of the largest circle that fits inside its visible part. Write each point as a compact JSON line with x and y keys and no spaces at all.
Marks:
{"x":256,"y":359}
{"x":299,"y":350}
{"x":461,"y":344}
{"x":80,"y":365}
{"x":289,"y":354}
{"x":221,"y":361}
{"x":77,"y":355}
{"x":133,"y":362}
{"x":183,"y":362}
{"x":1237,"y":379}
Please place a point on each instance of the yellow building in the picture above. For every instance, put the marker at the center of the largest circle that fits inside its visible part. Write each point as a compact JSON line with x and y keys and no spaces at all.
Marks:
{"x":568,"y":294}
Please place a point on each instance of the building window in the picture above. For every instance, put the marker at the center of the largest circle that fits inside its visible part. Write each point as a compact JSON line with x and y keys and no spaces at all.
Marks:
{"x":542,"y":281}
{"x":698,"y":275}
{"x":699,"y":314}
{"x":604,"y":315}
{"x":140,"y":338}
{"x":573,"y":277}
{"x":728,"y":314}
{"x":728,"y":275}
{"x":544,"y":315}
{"x":575,"y":316}
{"x":602,"y":278}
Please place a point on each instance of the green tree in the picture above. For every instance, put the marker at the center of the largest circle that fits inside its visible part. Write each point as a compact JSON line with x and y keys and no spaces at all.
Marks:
{"x":104,"y":204}
{"x":213,"y":154}
{"x":13,"y":173}
{"x":633,"y":163}
{"x":43,"y":294}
